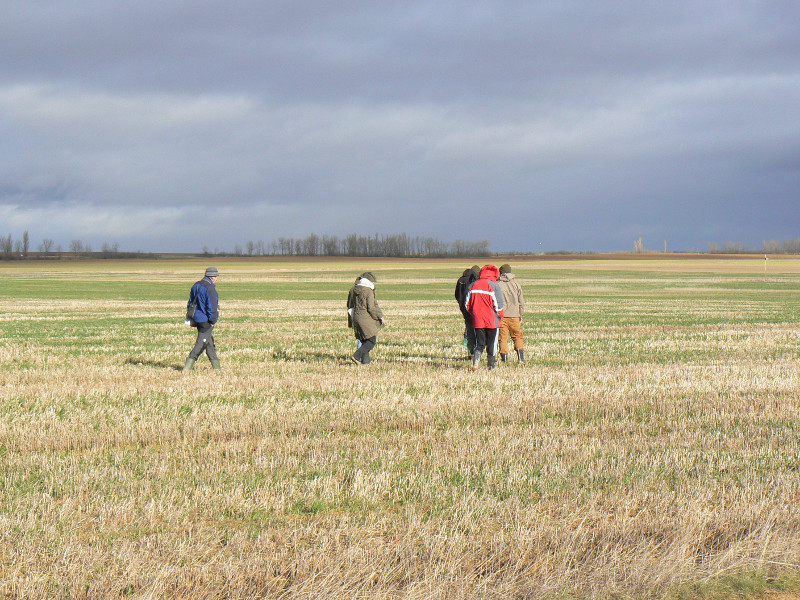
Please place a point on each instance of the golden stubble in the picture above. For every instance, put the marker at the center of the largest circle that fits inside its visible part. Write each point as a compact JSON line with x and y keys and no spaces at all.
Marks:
{"x":292,"y":473}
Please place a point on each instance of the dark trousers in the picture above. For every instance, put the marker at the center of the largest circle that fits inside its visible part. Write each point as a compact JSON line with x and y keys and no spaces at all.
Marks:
{"x":486,"y":339}
{"x":469,"y":332}
{"x":362,"y":354}
{"x":205,"y":341}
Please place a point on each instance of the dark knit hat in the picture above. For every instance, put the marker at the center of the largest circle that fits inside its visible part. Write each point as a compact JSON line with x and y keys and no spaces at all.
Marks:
{"x":212,"y":272}
{"x":476,"y":269}
{"x":506,"y":268}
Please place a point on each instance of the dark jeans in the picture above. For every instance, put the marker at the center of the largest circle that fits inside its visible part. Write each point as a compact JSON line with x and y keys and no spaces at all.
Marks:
{"x":362,"y":354}
{"x":469,"y":331}
{"x":205,"y":341}
{"x":486,"y":339}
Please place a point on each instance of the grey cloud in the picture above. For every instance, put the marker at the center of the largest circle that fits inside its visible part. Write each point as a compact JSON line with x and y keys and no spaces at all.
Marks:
{"x":586,"y":121}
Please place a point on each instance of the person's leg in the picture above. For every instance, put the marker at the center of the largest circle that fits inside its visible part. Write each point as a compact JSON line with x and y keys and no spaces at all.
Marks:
{"x":366,"y":347}
{"x":480,"y":346}
{"x":200,"y":343}
{"x":491,"y":346}
{"x":515,"y":328}
{"x":199,"y":346}
{"x":470,"y":334}
{"x":211,"y":348}
{"x":504,"y":332}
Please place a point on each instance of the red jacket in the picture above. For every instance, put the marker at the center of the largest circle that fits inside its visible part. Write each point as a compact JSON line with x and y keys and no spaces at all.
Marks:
{"x":485,"y":300}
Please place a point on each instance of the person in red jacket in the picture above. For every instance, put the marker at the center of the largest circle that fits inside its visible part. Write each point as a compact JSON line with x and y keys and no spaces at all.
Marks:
{"x":485,"y":303}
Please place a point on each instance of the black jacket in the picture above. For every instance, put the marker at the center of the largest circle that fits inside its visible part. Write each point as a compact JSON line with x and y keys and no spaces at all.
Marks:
{"x":462,"y":287}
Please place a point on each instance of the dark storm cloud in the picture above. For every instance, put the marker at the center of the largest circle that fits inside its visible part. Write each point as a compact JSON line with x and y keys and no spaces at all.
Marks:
{"x":580,"y":125}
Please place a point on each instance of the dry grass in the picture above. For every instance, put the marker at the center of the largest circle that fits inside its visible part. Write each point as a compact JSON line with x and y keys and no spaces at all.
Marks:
{"x":647,"y":448}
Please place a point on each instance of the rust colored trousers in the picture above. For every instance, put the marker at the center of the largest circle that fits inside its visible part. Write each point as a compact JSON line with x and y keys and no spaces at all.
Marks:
{"x":511,"y":326}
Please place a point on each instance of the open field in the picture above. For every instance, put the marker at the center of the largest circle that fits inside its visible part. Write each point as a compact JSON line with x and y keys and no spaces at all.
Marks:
{"x":648,"y":448}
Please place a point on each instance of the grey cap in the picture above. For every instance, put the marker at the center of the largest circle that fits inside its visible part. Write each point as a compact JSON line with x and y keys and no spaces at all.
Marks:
{"x":212,"y":272}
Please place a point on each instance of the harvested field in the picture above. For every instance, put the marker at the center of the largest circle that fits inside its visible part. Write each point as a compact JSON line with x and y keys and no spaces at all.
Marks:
{"x":649,"y":446}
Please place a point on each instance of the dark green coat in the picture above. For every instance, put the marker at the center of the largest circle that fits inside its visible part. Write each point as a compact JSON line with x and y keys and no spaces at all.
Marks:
{"x":367,"y":314}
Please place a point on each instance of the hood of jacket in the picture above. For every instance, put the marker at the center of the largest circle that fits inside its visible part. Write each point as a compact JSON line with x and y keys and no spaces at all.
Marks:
{"x":490,"y":272}
{"x":506,"y":277}
{"x":366,"y":283}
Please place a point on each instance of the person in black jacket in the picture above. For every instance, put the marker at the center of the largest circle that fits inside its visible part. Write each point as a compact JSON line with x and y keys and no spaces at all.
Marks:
{"x":463,"y":284}
{"x":204,"y":296}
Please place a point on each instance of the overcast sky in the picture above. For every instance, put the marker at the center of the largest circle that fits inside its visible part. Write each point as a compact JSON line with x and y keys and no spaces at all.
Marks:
{"x":536,"y":124}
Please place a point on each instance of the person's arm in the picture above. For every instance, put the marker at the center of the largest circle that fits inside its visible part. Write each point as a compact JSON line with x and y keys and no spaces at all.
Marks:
{"x":373,"y":309}
{"x":213,"y":305}
{"x":498,"y":298}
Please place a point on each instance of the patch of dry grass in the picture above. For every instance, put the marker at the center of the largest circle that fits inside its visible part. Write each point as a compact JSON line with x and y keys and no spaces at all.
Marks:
{"x":650,"y":442}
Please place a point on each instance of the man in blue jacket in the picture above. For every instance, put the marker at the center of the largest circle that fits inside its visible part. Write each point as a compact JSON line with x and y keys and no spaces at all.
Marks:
{"x":204,"y":296}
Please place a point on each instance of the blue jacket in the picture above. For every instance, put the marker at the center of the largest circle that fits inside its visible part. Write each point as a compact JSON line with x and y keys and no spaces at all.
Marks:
{"x":207,"y":301}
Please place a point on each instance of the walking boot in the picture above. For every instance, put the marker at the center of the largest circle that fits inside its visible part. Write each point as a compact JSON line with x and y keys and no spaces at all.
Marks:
{"x":492,"y":361}
{"x":215,"y":364}
{"x":189,"y":364}
{"x":504,"y":357}
{"x":476,"y":360}
{"x":521,"y":355}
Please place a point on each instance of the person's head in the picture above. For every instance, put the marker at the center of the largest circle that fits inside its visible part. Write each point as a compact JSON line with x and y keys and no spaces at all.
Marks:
{"x":476,"y":270}
{"x":212,"y":273}
{"x":369,"y":276}
{"x":490,"y":272}
{"x":506,"y":268}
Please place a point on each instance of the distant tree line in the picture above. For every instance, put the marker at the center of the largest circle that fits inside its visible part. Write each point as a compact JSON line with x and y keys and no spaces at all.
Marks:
{"x":401,"y":245}
{"x":11,"y":249}
{"x":771,"y":247}
{"x":791,"y":246}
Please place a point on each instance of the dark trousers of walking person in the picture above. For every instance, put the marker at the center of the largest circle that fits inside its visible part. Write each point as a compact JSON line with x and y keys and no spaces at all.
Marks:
{"x":485,"y":339}
{"x":469,"y":333}
{"x":362,"y":354}
{"x":205,"y":341}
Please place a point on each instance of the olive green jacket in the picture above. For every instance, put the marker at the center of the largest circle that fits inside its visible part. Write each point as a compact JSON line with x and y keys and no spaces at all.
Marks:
{"x":367,"y":315}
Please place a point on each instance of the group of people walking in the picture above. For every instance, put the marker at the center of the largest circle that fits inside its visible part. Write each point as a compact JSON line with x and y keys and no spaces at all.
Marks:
{"x":490,"y":300}
{"x":492,"y":304}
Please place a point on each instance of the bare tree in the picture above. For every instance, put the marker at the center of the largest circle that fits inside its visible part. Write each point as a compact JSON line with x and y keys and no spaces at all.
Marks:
{"x":46,"y":246}
{"x":7,"y":246}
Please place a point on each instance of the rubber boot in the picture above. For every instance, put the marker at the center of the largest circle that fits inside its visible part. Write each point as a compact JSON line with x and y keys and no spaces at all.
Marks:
{"x":521,"y":355}
{"x":215,"y":364}
{"x":476,"y":359}
{"x":189,"y":364}
{"x":492,"y":361}
{"x":504,"y":357}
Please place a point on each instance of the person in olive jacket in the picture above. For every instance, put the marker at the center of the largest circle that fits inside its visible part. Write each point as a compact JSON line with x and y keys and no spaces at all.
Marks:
{"x":367,"y":317}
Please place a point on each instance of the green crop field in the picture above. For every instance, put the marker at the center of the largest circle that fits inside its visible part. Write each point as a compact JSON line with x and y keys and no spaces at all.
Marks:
{"x":649,"y":447}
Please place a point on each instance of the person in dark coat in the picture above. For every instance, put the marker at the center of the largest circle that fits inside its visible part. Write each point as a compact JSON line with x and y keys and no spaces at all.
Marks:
{"x":468,"y":277}
{"x":204,"y":296}
{"x":367,"y":317}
